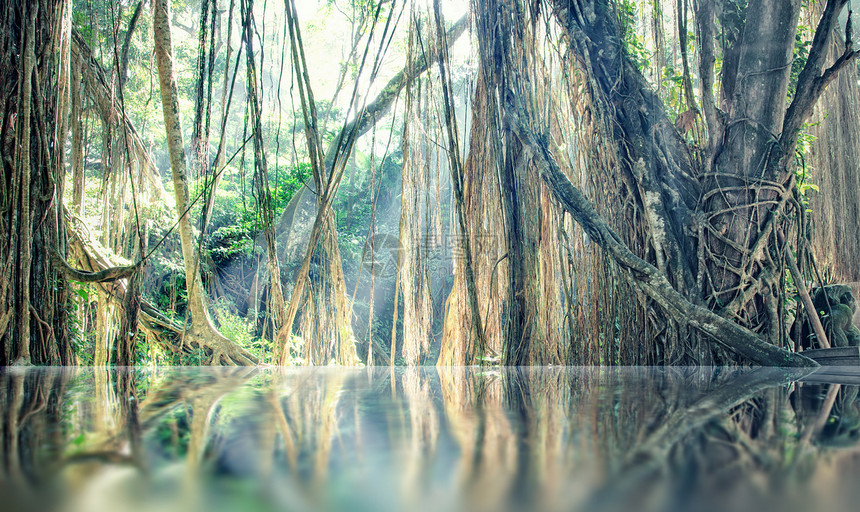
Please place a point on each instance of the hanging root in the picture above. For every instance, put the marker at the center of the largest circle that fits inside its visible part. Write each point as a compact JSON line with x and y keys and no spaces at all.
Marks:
{"x":652,"y":282}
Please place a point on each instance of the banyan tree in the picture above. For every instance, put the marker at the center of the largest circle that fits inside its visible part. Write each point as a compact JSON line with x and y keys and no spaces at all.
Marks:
{"x":573,"y":192}
{"x":699,"y":227}
{"x":35,"y":70}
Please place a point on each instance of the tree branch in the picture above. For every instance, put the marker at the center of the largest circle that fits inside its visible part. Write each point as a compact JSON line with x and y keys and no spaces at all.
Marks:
{"x":814,"y":78}
{"x":102,"y":276}
{"x":380,"y":105}
{"x":126,"y":44}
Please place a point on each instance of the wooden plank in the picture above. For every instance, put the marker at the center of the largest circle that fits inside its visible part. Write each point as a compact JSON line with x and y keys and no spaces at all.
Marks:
{"x":842,"y":356}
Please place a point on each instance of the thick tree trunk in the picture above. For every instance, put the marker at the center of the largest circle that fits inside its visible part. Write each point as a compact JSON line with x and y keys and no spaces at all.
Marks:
{"x":32,"y":294}
{"x":474,"y":337}
{"x":734,"y":256}
{"x":526,"y":327}
{"x":743,"y":192}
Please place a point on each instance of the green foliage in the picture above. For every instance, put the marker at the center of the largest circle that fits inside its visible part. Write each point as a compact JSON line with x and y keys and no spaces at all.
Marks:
{"x":240,"y":330}
{"x":76,"y":310}
{"x":634,"y":44}
{"x":234,"y":240}
{"x":802,"y":43}
{"x":81,"y":23}
{"x":285,"y":181}
{"x":673,"y":80}
{"x":233,"y":234}
{"x":235,"y":226}
{"x":801,"y":170}
{"x":173,"y":298}
{"x":174,"y":433}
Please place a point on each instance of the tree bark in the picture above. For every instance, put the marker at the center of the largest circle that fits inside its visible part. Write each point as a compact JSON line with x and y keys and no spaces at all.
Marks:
{"x":78,"y":171}
{"x":24,"y":171}
{"x":223,"y":349}
{"x":32,"y":293}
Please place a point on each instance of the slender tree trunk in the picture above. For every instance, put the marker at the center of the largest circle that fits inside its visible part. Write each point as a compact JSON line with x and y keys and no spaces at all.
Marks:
{"x":412,"y":247}
{"x":78,"y":171}
{"x":458,"y":179}
{"x":265,"y":202}
{"x":225,"y":110}
{"x":201,"y":323}
{"x":172,"y":124}
{"x":24,"y":171}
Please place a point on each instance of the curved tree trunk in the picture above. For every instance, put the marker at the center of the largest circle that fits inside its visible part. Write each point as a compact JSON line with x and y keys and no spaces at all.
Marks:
{"x":223,"y":350}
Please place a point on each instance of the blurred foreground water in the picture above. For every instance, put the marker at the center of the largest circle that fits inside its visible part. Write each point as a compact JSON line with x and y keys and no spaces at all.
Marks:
{"x":553,"y":439}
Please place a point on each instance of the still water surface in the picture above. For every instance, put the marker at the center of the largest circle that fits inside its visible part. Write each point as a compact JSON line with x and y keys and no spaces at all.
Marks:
{"x":553,"y":439}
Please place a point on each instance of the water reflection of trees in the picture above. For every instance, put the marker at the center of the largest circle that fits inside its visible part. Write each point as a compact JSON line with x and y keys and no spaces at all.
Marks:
{"x":550,"y":439}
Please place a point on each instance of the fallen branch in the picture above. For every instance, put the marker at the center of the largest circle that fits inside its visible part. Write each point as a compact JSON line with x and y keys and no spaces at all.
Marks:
{"x":170,"y":334}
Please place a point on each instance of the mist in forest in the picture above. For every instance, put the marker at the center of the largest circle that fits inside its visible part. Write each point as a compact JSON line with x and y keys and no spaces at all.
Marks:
{"x":498,"y":255}
{"x":236,"y":182}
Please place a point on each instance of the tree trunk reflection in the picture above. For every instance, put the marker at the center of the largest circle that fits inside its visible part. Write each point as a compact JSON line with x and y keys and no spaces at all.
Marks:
{"x":427,"y":438}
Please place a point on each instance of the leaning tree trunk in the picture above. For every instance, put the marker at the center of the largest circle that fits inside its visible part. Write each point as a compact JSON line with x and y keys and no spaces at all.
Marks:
{"x":32,"y":293}
{"x":222,"y":349}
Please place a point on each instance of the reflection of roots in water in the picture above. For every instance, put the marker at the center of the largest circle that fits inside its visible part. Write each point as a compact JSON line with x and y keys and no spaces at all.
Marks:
{"x":753,"y":457}
{"x":494,"y":440}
